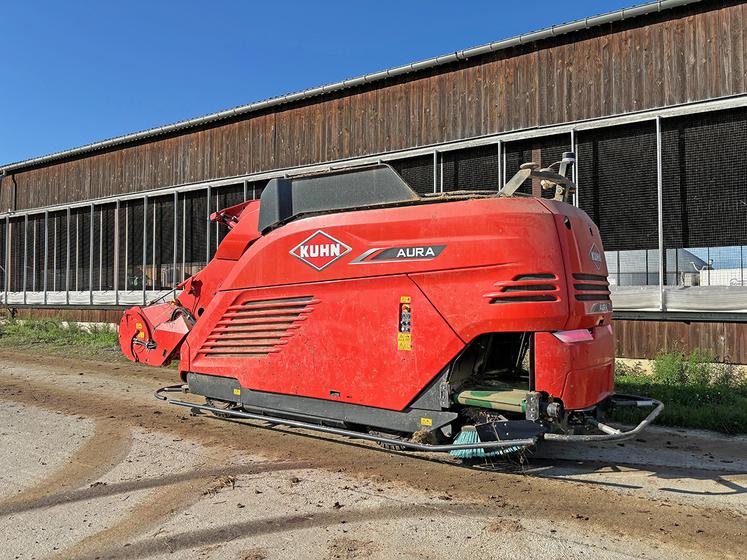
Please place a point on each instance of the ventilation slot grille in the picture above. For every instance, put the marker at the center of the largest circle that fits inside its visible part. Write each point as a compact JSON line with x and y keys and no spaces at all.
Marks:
{"x":525,"y":288}
{"x":592,"y":287}
{"x":257,"y":328}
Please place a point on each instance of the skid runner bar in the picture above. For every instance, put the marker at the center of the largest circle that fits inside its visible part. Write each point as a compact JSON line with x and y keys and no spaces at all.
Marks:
{"x":353,"y":434}
{"x":610,"y":433}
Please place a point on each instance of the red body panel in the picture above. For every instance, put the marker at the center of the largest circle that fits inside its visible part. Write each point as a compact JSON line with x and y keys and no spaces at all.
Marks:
{"x":341,"y":345}
{"x":346,"y":343}
{"x":368,"y":306}
{"x":578,"y":373}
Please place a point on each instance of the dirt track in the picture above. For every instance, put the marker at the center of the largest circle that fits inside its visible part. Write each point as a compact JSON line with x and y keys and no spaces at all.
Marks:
{"x":94,"y":467}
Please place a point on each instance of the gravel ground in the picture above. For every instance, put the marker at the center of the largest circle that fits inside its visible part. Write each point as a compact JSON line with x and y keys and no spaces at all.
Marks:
{"x":92,"y":467}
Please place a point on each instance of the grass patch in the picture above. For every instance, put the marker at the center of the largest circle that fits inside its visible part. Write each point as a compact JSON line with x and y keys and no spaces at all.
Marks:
{"x":52,"y":336}
{"x":696,"y":392}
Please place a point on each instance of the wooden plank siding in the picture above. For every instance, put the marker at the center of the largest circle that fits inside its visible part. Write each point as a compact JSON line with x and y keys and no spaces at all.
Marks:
{"x":680,"y":55}
{"x":634,"y":338}
{"x":646,"y":339}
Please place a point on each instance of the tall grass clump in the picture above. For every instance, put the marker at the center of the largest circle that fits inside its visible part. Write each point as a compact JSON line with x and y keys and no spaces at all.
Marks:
{"x":56,"y":334}
{"x":696,"y":392}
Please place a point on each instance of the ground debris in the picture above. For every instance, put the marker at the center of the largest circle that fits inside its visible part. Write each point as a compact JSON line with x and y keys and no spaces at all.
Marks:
{"x":219,"y":483}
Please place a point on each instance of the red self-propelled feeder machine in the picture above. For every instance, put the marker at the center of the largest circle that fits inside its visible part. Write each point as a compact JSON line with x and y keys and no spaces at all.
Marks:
{"x":471,"y":322}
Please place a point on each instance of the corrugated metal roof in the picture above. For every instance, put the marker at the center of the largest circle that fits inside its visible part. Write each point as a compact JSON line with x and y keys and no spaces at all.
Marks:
{"x":555,"y":30}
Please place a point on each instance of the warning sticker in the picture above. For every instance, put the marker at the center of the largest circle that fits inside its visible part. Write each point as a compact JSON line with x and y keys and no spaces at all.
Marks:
{"x":404,"y":341}
{"x":237,"y":392}
{"x":404,"y":334}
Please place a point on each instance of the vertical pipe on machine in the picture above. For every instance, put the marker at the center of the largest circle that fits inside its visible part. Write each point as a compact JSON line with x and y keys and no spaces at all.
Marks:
{"x":90,"y":254}
{"x":176,"y":238}
{"x":46,"y":253}
{"x":116,"y":252}
{"x":660,"y":211}
{"x":246,"y":188}
{"x":67,"y":256}
{"x":145,"y":245}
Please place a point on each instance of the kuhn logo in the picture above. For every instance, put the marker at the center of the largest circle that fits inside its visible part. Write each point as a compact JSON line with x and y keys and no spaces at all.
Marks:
{"x":320,"y":250}
{"x":596,"y":256}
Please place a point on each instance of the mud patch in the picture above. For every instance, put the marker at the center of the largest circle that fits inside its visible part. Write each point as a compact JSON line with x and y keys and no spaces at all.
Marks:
{"x":105,"y":449}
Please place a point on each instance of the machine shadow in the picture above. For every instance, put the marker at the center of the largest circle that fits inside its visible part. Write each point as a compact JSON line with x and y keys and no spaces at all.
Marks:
{"x":529,"y":463}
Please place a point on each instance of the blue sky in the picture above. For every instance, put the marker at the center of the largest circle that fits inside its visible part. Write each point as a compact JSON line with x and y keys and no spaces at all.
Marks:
{"x":77,"y":72}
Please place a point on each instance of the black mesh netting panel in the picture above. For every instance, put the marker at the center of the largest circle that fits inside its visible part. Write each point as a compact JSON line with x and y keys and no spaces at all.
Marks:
{"x":704,"y":170}
{"x":40,"y":247}
{"x":193,"y":206}
{"x":105,"y":215}
{"x":131,"y":245}
{"x":81,"y":217}
{"x":57,"y":260}
{"x":416,"y":172}
{"x":225,"y":197}
{"x":160,"y":273}
{"x":254,"y":190}
{"x":544,"y":151}
{"x":29,"y":254}
{"x":51,"y":240}
{"x":17,"y":241}
{"x":73,"y":233}
{"x":473,"y":169}
{"x":617,"y":184}
{"x":122,"y":244}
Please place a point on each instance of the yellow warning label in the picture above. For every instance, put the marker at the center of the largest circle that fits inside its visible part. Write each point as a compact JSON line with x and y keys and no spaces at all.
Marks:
{"x":141,"y":334}
{"x":237,"y":391}
{"x":139,"y":326}
{"x":426,"y":422}
{"x":404,"y":341}
{"x":405,"y":299}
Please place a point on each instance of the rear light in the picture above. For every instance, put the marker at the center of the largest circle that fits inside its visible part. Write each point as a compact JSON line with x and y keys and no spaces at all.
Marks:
{"x":578,"y":335}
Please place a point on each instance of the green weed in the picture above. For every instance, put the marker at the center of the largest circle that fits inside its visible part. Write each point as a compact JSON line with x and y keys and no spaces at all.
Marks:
{"x":52,"y":335}
{"x":696,"y":392}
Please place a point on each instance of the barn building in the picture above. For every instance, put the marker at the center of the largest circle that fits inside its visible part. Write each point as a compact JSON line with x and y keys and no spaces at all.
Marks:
{"x":653,"y":99}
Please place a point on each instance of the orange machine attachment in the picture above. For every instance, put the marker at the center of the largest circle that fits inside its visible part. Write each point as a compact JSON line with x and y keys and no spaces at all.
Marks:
{"x":153,"y":334}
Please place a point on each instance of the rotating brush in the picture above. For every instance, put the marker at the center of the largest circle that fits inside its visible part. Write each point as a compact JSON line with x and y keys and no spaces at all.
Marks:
{"x":469,"y":435}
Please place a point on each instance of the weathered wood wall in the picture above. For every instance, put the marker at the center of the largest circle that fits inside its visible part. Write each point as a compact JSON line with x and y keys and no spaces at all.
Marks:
{"x":692,"y":53}
{"x":79,"y":315}
{"x":634,"y":339}
{"x":645,"y":339}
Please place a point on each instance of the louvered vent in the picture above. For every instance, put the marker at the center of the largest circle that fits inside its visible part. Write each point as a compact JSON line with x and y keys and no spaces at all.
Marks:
{"x":591,"y":287}
{"x":525,"y":288}
{"x":257,"y":328}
